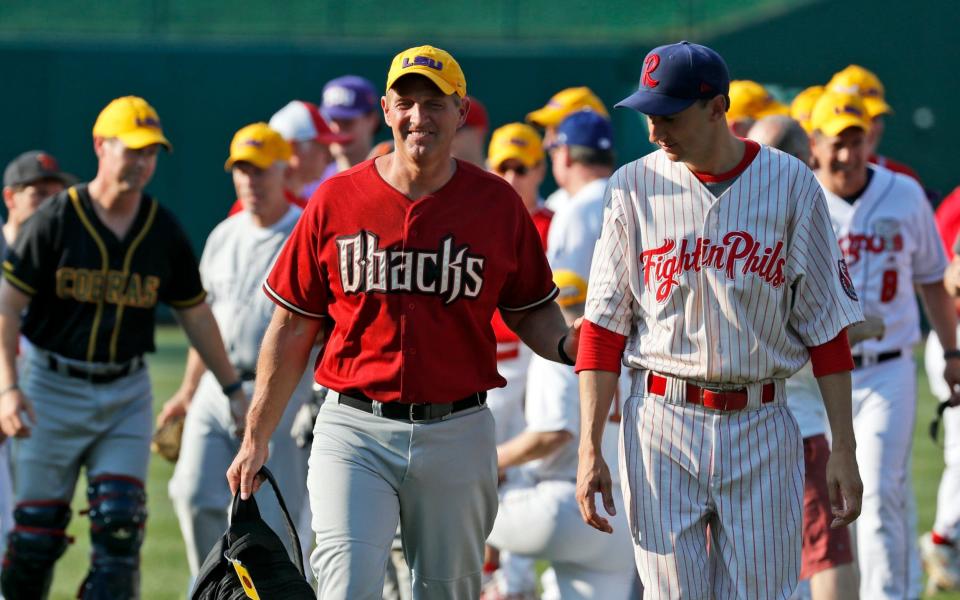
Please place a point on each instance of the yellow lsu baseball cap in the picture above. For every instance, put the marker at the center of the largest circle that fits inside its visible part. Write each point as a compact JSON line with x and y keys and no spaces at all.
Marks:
{"x":433,"y":63}
{"x":835,"y":112}
{"x":855,"y":79}
{"x":750,"y":100}
{"x":564,"y":103}
{"x":518,"y":141}
{"x":133,"y":121}
{"x":258,"y":145}
{"x":802,"y":106}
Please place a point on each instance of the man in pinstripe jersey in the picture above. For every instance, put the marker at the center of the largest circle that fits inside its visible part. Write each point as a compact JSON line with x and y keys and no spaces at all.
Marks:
{"x":717,"y":276}
{"x":86,"y":272}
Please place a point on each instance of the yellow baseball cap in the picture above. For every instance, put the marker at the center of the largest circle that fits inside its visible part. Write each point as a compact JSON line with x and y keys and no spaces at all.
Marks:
{"x":802,"y":106}
{"x":518,"y":141}
{"x":565,"y":102}
{"x":750,"y":100}
{"x":133,"y":121}
{"x":857,"y":80}
{"x":433,"y":63}
{"x":573,"y":288}
{"x":835,"y":112}
{"x":258,"y":145}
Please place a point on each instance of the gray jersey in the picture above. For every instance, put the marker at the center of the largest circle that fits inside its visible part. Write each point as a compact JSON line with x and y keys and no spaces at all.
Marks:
{"x":235,"y":261}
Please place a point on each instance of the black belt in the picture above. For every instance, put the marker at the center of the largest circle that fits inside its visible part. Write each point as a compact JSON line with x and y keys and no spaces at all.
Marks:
{"x":246,"y":375}
{"x":412,"y":413}
{"x":134,"y":364}
{"x":882,"y":357}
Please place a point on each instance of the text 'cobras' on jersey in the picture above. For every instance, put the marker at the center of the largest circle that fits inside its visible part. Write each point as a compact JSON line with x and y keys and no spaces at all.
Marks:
{"x":112,"y":287}
{"x":450,"y":272}
{"x":662,"y":266}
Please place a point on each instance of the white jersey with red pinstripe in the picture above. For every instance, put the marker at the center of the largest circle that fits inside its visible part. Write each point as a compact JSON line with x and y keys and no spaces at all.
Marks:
{"x":728,"y":292}
{"x":889,"y":238}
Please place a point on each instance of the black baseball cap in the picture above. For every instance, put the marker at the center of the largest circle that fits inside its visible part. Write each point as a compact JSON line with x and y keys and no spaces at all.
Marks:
{"x":33,"y":166}
{"x":677,"y":75}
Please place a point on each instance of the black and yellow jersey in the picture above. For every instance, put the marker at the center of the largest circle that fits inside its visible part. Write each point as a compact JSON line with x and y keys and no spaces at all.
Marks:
{"x":93,"y":295}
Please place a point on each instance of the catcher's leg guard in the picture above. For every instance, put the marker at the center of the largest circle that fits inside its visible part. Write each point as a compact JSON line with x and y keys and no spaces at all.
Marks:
{"x":118,"y":512}
{"x":38,"y":539}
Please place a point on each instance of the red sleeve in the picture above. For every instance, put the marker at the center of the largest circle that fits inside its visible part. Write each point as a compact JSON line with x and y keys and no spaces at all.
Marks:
{"x":600,"y":349}
{"x":832,"y":357}
{"x":296,"y":281}
{"x":237,"y":207}
{"x":531,"y":283}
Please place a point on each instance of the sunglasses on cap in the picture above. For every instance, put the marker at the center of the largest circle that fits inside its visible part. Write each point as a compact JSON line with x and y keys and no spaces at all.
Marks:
{"x":518,"y":169}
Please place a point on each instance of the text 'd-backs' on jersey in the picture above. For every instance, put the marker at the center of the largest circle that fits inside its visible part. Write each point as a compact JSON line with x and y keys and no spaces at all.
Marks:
{"x":410,"y":286}
{"x":93,"y":295}
{"x":728,"y":290}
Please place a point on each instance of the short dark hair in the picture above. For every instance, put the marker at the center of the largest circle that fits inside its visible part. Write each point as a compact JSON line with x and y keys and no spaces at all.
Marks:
{"x":591,"y":156}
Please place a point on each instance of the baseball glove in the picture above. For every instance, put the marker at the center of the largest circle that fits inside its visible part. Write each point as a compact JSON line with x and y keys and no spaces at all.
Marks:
{"x":166,"y":439}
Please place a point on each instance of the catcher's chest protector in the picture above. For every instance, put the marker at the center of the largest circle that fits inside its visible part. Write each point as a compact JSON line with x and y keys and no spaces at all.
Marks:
{"x":250,"y":561}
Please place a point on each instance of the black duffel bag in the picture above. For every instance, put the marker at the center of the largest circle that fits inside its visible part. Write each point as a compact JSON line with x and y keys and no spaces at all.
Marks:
{"x":251,"y":557}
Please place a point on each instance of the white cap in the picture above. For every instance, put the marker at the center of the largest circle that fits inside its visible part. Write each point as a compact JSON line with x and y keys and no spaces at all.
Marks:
{"x":299,"y":121}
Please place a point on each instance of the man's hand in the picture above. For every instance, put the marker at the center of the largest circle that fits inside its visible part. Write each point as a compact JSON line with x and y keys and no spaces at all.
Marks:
{"x":242,"y":473}
{"x":176,"y":407}
{"x":239,"y":405}
{"x":593,"y":476}
{"x":951,"y":374}
{"x":845,"y":487}
{"x":16,"y":414}
{"x":572,"y":344}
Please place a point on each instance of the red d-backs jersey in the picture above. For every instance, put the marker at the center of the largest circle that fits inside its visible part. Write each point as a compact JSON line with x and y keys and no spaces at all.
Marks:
{"x":411,"y":285}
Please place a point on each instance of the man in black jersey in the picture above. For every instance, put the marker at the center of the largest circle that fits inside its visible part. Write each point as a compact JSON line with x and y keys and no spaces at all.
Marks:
{"x":81,"y":283}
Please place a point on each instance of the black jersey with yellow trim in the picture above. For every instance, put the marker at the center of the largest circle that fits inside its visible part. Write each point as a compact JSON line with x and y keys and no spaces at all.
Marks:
{"x":93,"y":296}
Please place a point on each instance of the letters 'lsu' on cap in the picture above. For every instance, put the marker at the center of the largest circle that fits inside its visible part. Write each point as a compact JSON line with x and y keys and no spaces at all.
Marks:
{"x":433,"y":63}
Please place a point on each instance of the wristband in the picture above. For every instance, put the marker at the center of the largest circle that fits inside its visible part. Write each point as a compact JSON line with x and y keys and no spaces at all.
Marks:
{"x":229,"y":390}
{"x":563,"y":355}
{"x":948,"y":354}
{"x":9,"y":388}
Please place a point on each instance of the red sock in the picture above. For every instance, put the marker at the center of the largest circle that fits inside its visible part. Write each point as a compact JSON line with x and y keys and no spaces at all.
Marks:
{"x":939,"y":540}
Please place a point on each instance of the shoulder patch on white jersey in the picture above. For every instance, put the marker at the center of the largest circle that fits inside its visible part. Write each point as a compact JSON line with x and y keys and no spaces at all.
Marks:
{"x":846,"y":281}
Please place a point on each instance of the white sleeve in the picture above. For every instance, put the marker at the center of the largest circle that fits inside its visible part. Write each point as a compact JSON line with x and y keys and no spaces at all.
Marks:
{"x":824,"y":298}
{"x":552,"y":398}
{"x":610,"y":303}
{"x":930,"y":260}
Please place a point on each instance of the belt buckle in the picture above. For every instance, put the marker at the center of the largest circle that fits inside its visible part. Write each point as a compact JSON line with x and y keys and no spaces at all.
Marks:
{"x":376,"y":408}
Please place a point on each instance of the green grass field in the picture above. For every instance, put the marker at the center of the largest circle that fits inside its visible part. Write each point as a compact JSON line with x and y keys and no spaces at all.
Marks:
{"x":164,"y":565}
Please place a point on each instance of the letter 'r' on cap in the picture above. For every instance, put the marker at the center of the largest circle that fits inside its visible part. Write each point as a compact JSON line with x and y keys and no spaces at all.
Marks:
{"x":133,"y":121}
{"x":433,"y":63}
{"x":677,"y":75}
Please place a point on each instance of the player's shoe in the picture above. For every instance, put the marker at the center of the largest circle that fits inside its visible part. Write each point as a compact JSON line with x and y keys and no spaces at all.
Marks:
{"x":942,"y":563}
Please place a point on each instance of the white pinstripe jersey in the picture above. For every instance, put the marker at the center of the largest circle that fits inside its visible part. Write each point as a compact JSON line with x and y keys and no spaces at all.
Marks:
{"x":728,"y":290}
{"x":889,"y":239}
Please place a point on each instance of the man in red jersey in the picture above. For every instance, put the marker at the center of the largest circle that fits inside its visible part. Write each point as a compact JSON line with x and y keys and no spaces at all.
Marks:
{"x":400,"y":262}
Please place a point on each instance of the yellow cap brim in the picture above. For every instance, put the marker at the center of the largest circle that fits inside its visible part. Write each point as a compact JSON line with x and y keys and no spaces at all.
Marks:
{"x":430,"y":74}
{"x":498,"y":158}
{"x":876,"y":107}
{"x":547,"y":116}
{"x":841,"y":123}
{"x":251,"y":156}
{"x":573,"y":288}
{"x":143,"y":137}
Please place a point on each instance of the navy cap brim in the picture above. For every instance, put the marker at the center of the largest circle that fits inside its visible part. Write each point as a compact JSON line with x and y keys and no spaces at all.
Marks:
{"x":652,"y":103}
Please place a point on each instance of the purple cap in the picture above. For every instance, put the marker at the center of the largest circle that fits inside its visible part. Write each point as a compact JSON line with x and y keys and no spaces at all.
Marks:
{"x":677,"y":75}
{"x":585,"y":128}
{"x":348,"y":97}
